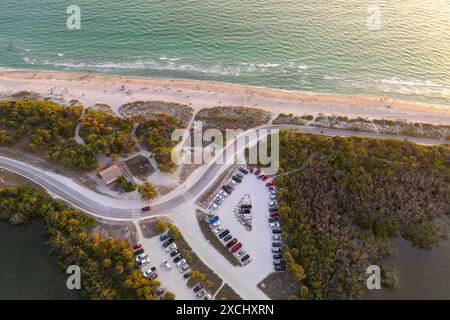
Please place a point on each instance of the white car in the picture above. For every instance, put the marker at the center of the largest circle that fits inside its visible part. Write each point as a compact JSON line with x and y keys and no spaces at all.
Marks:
{"x":223,"y":193}
{"x":213,"y":205}
{"x":200,"y":294}
{"x":181,"y":262}
{"x":142,"y":256}
{"x":216,"y":224}
{"x":218,"y":229}
{"x":273,"y":204}
{"x":232,"y":182}
{"x":171,"y":247}
{"x":143,"y":262}
{"x":207,"y":297}
{"x":240,"y":253}
{"x":276,"y":237}
{"x":184,"y":268}
{"x":217,"y":201}
{"x":167,"y":265}
{"x":149,"y":272}
{"x":274,"y":225}
{"x":273,"y":197}
{"x":219,"y":196}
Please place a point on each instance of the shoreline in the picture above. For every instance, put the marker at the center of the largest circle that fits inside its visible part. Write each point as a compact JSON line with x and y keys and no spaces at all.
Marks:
{"x":92,"y":88}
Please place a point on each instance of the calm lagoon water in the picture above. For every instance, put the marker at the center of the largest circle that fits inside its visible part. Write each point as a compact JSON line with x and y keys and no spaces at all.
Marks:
{"x":27,"y":270}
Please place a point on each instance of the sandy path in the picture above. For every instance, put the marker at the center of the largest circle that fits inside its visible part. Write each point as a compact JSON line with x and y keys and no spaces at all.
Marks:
{"x":90,"y":89}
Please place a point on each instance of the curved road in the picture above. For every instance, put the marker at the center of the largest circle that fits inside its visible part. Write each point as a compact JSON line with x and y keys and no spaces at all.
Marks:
{"x":106,"y":207}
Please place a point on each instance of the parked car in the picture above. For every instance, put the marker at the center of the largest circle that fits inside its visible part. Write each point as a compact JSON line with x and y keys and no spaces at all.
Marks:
{"x":278,"y":262}
{"x":213,"y":205}
{"x":244,"y":171}
{"x":264,"y":178}
{"x":240,"y":253}
{"x":227,"y":189}
{"x":260,"y":176}
{"x":231,"y":243}
{"x":274,"y":214}
{"x":187,"y":275}
{"x":273,"y":197}
{"x":273,"y":204}
{"x":171,"y":247}
{"x":223,"y":193}
{"x":219,"y":196}
{"x":236,"y":178}
{"x":147,"y":273}
{"x":276,"y":244}
{"x":215,"y":224}
{"x":257,"y":172}
{"x":227,"y":238}
{"x":276,"y":231}
{"x":276,"y":237}
{"x":142,"y":262}
{"x":277,"y":256}
{"x":138,"y":251}
{"x":251,"y":168}
{"x":168,"y":242}
{"x":178,"y":258}
{"x":236,"y":247}
{"x":207,"y":297}
{"x":276,"y":250}
{"x":273,"y":192}
{"x":270,"y":184}
{"x":198,"y":287}
{"x":273,"y":209}
{"x":232,"y":182}
{"x":246,"y":206}
{"x":141,"y":256}
{"x":217,"y":201}
{"x":224,"y":233}
{"x":160,"y":291}
{"x":239,"y":175}
{"x":245,"y":258}
{"x":280,"y":268}
{"x":200,"y":294}
{"x":148,"y":208}
{"x":273,"y":219}
{"x":153,"y":276}
{"x":245,"y":211}
{"x":213,"y":219}
{"x":136,"y":246}
{"x":165,"y":236}
{"x":181,"y":262}
{"x":184,"y":268}
{"x":219,"y":229}
{"x":167,"y":265}
{"x":174,"y":253}
{"x":273,"y":188}
{"x":274,"y":225}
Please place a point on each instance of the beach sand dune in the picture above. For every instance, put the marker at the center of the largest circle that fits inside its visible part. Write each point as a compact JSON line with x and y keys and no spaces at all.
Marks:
{"x":119,"y":90}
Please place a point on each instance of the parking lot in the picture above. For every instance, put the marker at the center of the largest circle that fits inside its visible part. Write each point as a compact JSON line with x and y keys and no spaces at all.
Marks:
{"x":172,"y":279}
{"x":257,"y":240}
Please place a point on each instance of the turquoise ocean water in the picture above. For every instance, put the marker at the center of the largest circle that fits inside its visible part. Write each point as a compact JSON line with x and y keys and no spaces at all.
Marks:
{"x":306,"y":45}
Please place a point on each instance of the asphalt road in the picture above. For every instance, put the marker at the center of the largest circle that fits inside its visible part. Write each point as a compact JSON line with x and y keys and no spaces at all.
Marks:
{"x":106,"y":209}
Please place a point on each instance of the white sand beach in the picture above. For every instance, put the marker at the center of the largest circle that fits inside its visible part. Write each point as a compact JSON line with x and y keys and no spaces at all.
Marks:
{"x":118,"y":90}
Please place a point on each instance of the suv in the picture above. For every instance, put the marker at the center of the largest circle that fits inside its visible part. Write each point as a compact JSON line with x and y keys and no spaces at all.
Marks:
{"x":244,"y":171}
{"x":168,"y":242}
{"x":225,"y":233}
{"x":198,"y":287}
{"x":174,"y":253}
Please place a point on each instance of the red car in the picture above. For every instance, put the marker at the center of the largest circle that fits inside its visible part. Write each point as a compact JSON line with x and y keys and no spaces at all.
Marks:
{"x":231,"y":243}
{"x":146,"y":208}
{"x":271,"y":183}
{"x":257,"y":172}
{"x":236,"y":247}
{"x":273,"y":214}
{"x":137,"y":246}
{"x":264,"y":178}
